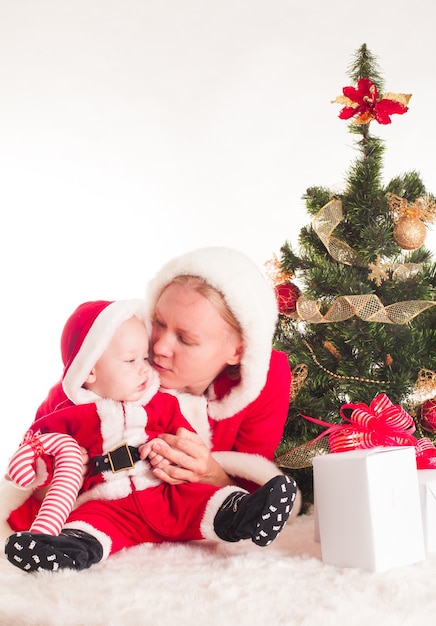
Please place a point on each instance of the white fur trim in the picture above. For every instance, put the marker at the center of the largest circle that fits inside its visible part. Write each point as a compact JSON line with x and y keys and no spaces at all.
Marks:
{"x":121,"y":422}
{"x":194,"y":410}
{"x":86,"y":396}
{"x":101,"y":537}
{"x":207,"y":523}
{"x":97,"y":340}
{"x":253,"y":302}
{"x":120,"y":487}
{"x":252,"y":467}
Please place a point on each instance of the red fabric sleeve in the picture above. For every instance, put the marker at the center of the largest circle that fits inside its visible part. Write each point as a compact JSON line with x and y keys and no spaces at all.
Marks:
{"x":164,"y":416}
{"x":262,"y":428}
{"x":258,"y":428}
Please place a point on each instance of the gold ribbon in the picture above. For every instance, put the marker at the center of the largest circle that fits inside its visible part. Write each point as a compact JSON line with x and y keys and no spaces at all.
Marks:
{"x":324,"y":223}
{"x":367,"y":306}
{"x":404,"y":271}
{"x":301,"y":456}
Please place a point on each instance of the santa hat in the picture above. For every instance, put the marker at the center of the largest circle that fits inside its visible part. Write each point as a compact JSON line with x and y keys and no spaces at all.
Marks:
{"x":253,"y":303}
{"x":87,"y":334}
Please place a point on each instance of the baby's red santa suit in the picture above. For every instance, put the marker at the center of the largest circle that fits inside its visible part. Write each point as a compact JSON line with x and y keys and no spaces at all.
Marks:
{"x":96,"y":424}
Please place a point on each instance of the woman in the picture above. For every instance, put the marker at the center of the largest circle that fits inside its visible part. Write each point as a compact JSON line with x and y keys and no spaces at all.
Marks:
{"x":213,"y":320}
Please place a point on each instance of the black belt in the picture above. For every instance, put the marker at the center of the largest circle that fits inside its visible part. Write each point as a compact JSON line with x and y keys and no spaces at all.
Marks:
{"x":121,"y":458}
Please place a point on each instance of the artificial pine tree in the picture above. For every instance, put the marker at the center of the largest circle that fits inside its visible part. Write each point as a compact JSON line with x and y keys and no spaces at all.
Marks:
{"x":358,"y":314}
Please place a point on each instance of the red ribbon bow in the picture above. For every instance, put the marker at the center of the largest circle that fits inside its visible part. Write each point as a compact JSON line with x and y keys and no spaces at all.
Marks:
{"x":32,"y":439}
{"x":379,"y":424}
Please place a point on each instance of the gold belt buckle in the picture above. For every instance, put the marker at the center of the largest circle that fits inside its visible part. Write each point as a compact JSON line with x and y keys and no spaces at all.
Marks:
{"x":120,"y":458}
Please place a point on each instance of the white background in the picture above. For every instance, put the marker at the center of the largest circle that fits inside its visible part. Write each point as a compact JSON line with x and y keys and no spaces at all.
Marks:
{"x":133,"y":130}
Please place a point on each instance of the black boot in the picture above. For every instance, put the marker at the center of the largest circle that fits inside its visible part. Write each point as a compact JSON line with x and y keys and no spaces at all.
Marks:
{"x":72,"y":549}
{"x":259,"y":516}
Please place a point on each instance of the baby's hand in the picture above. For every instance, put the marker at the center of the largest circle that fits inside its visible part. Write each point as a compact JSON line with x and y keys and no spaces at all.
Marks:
{"x":152,"y":452}
{"x":145,"y":450}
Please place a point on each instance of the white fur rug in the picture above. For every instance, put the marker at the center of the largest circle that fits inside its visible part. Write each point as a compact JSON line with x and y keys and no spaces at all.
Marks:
{"x":215,"y":585}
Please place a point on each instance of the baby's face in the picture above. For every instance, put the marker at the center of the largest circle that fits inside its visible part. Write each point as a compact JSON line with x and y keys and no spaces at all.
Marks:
{"x":123,"y":372}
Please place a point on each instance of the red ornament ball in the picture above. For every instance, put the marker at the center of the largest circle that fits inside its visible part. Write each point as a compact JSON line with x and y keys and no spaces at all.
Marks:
{"x":427,"y":415}
{"x":287,"y":295}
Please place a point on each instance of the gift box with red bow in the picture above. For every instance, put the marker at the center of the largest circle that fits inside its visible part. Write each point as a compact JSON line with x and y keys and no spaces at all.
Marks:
{"x":381,"y":423}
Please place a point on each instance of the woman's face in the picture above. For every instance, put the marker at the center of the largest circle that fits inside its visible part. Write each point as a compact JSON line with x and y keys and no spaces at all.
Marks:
{"x":191,"y":343}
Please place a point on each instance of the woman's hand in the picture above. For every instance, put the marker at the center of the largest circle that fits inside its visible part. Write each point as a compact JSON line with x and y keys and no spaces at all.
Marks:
{"x":183,"y":458}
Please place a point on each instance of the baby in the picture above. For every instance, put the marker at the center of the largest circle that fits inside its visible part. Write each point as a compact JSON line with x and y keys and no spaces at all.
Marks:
{"x":115,"y":410}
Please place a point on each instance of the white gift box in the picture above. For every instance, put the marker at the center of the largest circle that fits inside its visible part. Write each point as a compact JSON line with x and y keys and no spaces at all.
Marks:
{"x":368,"y":508}
{"x":427,"y":492}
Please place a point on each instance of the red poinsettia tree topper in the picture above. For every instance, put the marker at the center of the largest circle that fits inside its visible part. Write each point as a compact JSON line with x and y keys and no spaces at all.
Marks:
{"x":365,"y":104}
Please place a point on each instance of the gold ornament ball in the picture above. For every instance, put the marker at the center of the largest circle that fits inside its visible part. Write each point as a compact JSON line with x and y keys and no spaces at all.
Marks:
{"x":410,"y":233}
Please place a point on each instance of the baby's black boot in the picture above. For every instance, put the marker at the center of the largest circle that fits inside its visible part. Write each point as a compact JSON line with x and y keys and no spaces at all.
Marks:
{"x":74,"y":549}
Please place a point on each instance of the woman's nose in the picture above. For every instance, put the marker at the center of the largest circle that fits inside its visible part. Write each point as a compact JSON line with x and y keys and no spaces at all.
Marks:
{"x":162,"y":345}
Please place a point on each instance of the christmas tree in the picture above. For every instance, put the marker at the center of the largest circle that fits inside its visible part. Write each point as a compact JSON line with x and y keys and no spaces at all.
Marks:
{"x":357,"y":298}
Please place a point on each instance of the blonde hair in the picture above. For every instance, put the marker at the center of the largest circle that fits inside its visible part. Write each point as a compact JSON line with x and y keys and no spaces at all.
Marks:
{"x":215,"y":297}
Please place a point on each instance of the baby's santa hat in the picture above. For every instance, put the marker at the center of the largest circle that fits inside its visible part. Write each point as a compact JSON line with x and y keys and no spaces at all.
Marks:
{"x":252,"y":300}
{"x":85,"y":337}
